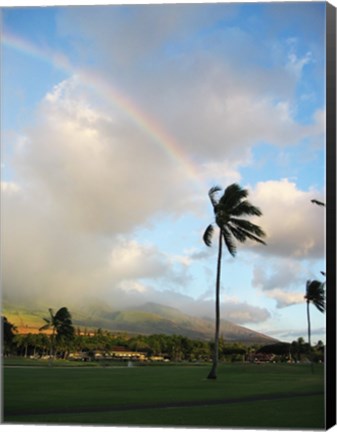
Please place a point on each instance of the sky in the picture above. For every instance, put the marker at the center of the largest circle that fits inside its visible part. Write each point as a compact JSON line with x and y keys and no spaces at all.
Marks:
{"x":117,"y":120}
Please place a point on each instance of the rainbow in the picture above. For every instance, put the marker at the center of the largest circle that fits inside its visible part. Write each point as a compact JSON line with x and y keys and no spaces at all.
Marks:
{"x":105,"y":90}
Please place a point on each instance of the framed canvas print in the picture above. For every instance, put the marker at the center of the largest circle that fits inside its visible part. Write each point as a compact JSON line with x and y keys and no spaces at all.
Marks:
{"x":168,"y":215}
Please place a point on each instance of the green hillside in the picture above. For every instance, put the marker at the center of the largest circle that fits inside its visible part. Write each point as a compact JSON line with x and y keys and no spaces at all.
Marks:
{"x":149,"y":318}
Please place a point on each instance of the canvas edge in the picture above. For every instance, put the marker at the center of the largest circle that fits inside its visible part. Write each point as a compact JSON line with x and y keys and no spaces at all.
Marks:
{"x":330,"y":406}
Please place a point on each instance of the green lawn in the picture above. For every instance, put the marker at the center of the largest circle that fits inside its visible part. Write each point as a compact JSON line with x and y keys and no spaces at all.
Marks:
{"x":138,"y":396}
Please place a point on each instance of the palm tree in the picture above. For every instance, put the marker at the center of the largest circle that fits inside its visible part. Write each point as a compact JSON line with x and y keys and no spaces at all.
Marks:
{"x":228,"y":211}
{"x":61,"y":325}
{"x":7,"y":331}
{"x":297,"y":348}
{"x":314,"y":294}
{"x":50,"y":323}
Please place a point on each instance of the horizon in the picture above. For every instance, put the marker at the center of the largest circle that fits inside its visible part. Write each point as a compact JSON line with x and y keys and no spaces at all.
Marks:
{"x":111,"y":140}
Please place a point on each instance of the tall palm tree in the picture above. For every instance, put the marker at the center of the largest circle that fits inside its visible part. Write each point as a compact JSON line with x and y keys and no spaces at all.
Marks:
{"x":228,"y":211}
{"x":315,"y":295}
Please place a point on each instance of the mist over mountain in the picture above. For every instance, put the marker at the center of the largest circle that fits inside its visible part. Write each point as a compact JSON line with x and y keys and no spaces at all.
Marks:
{"x":149,"y":318}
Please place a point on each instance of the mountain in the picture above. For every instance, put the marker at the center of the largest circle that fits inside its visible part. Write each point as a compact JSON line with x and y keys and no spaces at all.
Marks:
{"x":149,"y":318}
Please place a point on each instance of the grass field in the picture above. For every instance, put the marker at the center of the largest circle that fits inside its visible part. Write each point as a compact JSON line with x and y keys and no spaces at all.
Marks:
{"x":244,"y":395}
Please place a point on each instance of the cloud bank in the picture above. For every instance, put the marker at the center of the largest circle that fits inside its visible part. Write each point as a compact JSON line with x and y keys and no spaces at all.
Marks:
{"x":87,"y":177}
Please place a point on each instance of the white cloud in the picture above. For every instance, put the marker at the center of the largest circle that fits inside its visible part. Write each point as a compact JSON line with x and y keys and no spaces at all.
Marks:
{"x":102,"y":175}
{"x":224,"y":113}
{"x":131,"y":260}
{"x":279,"y":274}
{"x":132,"y":287}
{"x":295,"y":63}
{"x":283,"y":279}
{"x":9,"y":187}
{"x":239,"y":312}
{"x":293,"y":225}
{"x":295,"y":240}
{"x":284,"y":298}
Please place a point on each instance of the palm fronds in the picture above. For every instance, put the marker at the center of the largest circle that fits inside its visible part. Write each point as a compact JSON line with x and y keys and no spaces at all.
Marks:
{"x":245,"y":208}
{"x":233,"y":196}
{"x":229,"y":241}
{"x":208,"y":234}
{"x":315,"y":294}
{"x":212,"y":195}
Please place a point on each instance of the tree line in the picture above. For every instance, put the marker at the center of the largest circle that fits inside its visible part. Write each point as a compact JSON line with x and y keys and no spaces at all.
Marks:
{"x":62,"y":342}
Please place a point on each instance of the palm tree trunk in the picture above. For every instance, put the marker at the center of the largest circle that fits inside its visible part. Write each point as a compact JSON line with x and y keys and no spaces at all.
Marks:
{"x":212,"y":374}
{"x":309,"y":325}
{"x":52,"y":343}
{"x":309,"y":337}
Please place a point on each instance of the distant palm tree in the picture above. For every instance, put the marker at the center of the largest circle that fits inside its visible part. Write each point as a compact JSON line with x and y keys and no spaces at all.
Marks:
{"x":61,"y":326}
{"x":298,"y":347}
{"x":315,"y":295}
{"x":228,"y":211}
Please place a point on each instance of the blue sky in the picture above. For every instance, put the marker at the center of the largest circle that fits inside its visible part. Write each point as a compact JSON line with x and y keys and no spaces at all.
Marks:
{"x":115,"y":123}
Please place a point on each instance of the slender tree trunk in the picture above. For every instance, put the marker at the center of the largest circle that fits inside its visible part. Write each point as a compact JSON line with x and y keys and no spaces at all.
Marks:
{"x":309,"y":325}
{"x":309,"y":337}
{"x":52,"y":347}
{"x":52,"y":343}
{"x":213,"y":372}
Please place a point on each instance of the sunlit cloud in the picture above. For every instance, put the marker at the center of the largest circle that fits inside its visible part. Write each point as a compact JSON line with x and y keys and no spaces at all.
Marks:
{"x":294,"y":228}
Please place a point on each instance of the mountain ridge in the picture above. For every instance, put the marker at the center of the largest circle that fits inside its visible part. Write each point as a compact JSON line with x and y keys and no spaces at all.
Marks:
{"x":149,"y":318}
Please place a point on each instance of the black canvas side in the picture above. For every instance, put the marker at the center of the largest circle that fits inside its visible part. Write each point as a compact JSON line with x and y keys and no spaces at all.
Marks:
{"x":331,"y":215}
